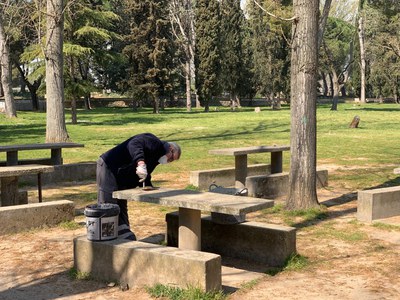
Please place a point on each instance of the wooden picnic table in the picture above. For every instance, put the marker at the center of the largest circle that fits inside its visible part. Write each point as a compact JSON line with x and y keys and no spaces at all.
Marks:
{"x":9,"y":181}
{"x":240,"y":155}
{"x":56,"y":151}
{"x":190,"y":204}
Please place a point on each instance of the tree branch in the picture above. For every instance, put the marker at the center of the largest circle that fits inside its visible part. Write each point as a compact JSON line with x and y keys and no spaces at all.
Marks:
{"x":274,"y":16}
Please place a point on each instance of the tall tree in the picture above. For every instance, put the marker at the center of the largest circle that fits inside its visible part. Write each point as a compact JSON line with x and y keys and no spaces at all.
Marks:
{"x":232,"y":60}
{"x":207,"y":52}
{"x":304,"y":64}
{"x":150,"y":50}
{"x":6,"y":74}
{"x":336,"y":54}
{"x":88,"y":40}
{"x":182,"y":19}
{"x":270,"y":35}
{"x":361,"y":38}
{"x":56,"y":130}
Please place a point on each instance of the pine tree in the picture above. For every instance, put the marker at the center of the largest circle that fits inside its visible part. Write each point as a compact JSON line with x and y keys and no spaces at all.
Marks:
{"x":232,"y":64}
{"x":207,"y":52}
{"x":150,"y":50}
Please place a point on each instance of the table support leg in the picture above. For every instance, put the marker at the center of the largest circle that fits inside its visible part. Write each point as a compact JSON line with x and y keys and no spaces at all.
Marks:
{"x":276,"y":162}
{"x":39,"y":182}
{"x":9,"y":191}
{"x":189,"y":229}
{"x":240,"y":171}
{"x":56,"y":157}
{"x":12,"y":158}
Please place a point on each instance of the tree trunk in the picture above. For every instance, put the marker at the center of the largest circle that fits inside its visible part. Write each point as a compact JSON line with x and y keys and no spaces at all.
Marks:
{"x":56,"y":130}
{"x":304,"y":61}
{"x":86,"y":100}
{"x":6,"y":75}
{"x":362,"y":57}
{"x":188,"y":83}
{"x":74,"y":115}
{"x":336,"y":89}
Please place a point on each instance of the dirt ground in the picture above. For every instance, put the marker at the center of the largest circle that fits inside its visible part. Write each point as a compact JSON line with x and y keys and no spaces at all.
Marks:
{"x":345,"y":259}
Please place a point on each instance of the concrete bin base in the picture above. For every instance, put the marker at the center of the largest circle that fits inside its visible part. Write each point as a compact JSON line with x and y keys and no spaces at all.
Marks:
{"x":17,"y":218}
{"x":143,"y":264}
{"x":253,"y":241}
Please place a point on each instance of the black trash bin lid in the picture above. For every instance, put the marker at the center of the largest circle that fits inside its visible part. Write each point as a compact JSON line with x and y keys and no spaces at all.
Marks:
{"x":102,"y":210}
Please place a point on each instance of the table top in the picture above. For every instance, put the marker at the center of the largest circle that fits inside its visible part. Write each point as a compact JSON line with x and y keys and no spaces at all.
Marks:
{"x":249,"y":150}
{"x":206,"y":201}
{"x":20,"y":170}
{"x":8,"y":148}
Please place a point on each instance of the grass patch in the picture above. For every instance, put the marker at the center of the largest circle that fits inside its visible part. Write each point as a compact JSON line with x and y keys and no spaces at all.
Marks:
{"x":70,"y":225}
{"x":295,"y":262}
{"x":384,"y":226}
{"x":302,"y":217}
{"x":327,"y":231}
{"x":175,"y":293}
{"x":198,"y":132}
{"x":76,"y":275}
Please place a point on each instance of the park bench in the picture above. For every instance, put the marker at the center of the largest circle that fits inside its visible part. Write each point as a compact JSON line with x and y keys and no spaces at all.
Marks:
{"x":241,"y":154}
{"x":136,"y":263}
{"x":191,"y":204}
{"x":55,"y":155}
{"x":9,"y":182}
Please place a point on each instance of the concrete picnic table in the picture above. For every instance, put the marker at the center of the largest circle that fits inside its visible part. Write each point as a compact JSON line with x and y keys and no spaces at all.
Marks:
{"x":240,"y":155}
{"x":190,"y":204}
{"x":9,"y":181}
{"x":56,"y":149}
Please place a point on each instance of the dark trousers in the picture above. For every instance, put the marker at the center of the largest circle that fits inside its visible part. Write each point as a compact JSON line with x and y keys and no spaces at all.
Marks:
{"x":106,"y":185}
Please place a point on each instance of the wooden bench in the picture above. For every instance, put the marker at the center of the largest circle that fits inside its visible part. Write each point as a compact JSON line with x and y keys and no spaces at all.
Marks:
{"x":9,"y":181}
{"x":240,"y":155}
{"x":55,"y":156}
{"x":190,"y":204}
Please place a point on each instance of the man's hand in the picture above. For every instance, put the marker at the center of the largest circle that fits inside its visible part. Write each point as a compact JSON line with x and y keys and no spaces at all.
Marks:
{"x":141,"y":171}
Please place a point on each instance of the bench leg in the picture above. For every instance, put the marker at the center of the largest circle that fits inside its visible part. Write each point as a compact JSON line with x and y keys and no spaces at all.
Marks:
{"x":12,"y":158}
{"x":9,"y":191}
{"x":39,"y":182}
{"x":189,"y":229}
{"x":56,"y":157}
{"x":240,"y":171}
{"x":276,"y":162}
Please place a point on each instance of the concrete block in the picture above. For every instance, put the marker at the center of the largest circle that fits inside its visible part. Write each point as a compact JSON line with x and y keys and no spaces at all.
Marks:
{"x":17,"y":218}
{"x":378,"y":204}
{"x":22,"y":197}
{"x":64,"y":173}
{"x":224,"y":176}
{"x":253,"y":241}
{"x":143,"y":264}
{"x":276,"y":185}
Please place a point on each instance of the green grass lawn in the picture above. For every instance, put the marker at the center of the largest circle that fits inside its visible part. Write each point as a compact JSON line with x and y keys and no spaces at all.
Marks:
{"x":367,"y":155}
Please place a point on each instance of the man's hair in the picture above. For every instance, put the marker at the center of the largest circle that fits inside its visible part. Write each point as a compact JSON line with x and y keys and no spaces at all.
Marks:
{"x":176,"y":148}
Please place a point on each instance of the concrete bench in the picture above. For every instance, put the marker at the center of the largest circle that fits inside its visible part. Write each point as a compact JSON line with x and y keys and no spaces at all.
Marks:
{"x":276,"y":185}
{"x":9,"y":177}
{"x":223,"y":176}
{"x":240,"y":155}
{"x":26,"y":216}
{"x":378,"y":203}
{"x":55,"y":155}
{"x":142,"y":264}
{"x":253,"y":241}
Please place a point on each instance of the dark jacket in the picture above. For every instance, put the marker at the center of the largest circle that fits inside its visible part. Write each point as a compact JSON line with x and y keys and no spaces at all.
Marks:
{"x":122,"y":159}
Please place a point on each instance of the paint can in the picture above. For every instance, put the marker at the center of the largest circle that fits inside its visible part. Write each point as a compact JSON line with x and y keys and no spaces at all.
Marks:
{"x":102,"y":221}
